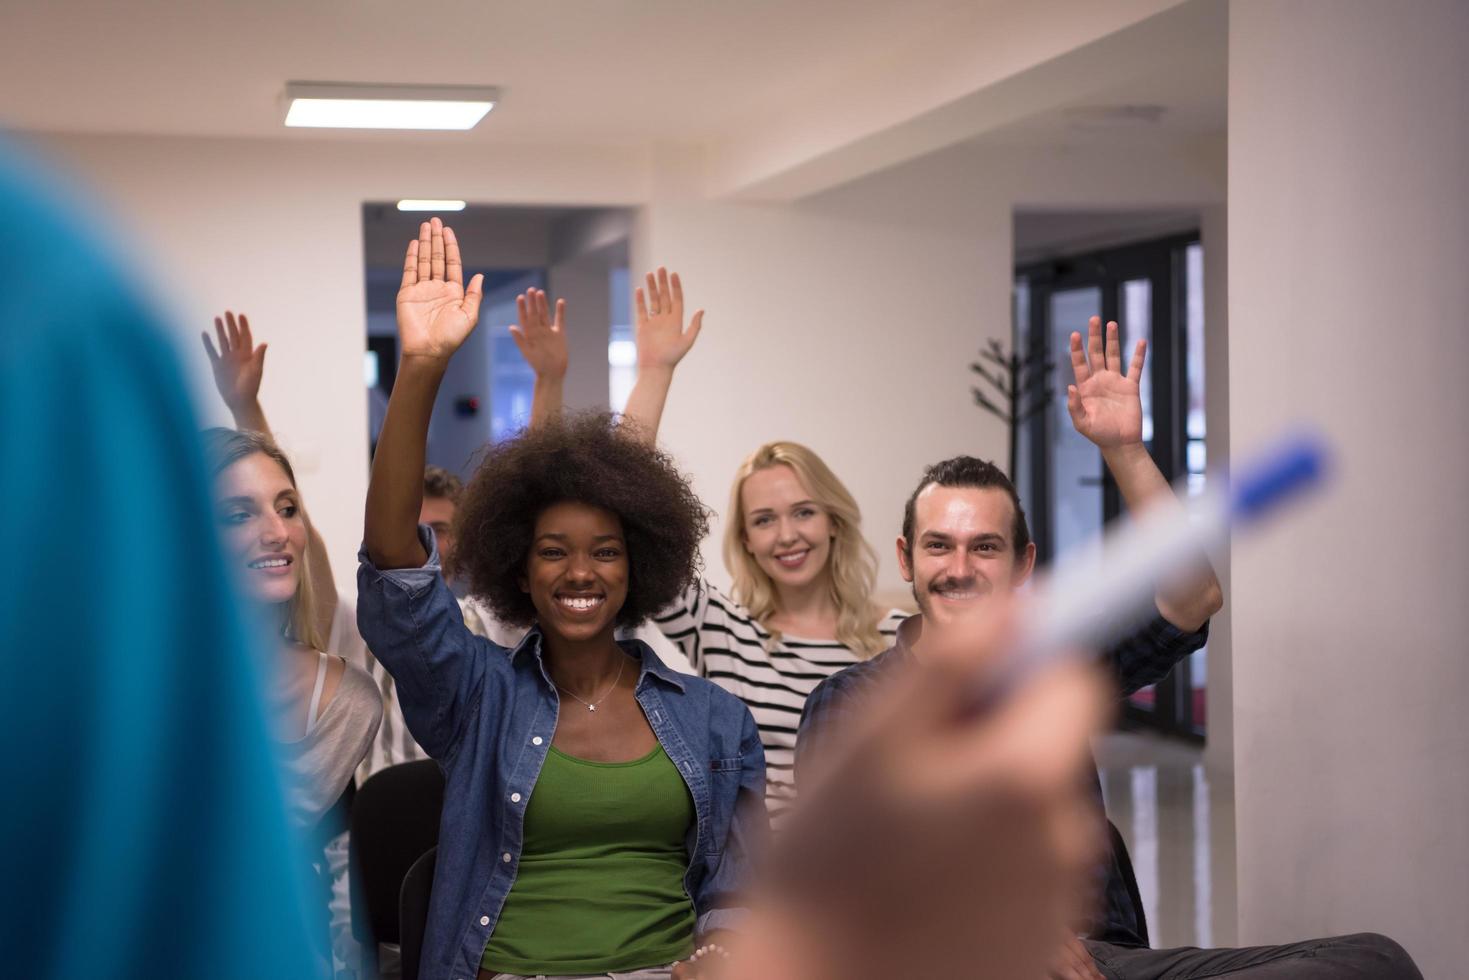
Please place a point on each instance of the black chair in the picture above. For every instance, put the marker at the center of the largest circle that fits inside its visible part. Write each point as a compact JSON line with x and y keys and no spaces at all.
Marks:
{"x":395,"y":819}
{"x":1129,"y":878}
{"x":413,"y":911}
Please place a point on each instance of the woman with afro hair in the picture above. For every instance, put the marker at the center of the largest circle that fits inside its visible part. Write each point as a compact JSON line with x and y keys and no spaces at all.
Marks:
{"x":601,"y":810}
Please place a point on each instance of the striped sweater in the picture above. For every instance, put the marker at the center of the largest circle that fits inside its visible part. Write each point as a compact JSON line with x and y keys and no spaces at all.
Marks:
{"x":725,"y":644}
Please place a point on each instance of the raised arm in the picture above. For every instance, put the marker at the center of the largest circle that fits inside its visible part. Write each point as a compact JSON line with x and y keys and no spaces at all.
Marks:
{"x":1106,"y":407}
{"x":662,"y":342}
{"x":239,"y":366}
{"x":436,"y":313}
{"x":542,"y":342}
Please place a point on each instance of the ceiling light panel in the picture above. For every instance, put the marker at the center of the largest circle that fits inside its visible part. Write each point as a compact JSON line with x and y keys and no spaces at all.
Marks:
{"x":427,"y":204}
{"x":425,"y":107}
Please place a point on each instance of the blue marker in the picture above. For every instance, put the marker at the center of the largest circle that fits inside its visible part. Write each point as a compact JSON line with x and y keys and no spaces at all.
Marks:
{"x":1106,"y":590}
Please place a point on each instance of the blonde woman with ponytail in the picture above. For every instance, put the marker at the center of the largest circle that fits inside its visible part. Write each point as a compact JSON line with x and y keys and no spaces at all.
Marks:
{"x":801,"y":605}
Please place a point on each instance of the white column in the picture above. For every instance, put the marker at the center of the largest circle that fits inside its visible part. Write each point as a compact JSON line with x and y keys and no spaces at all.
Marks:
{"x":1348,"y":242}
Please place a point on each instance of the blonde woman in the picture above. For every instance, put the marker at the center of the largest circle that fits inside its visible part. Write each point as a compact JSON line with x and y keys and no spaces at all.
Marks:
{"x":801,"y":607}
{"x":328,"y":708}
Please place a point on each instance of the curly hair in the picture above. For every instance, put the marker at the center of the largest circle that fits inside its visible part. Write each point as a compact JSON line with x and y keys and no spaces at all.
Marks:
{"x":582,"y":458}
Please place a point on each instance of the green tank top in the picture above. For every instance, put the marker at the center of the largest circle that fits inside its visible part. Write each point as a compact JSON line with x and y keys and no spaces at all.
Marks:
{"x":600,"y":887}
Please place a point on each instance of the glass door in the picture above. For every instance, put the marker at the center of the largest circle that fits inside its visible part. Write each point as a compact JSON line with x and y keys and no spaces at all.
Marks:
{"x":1154,"y":292}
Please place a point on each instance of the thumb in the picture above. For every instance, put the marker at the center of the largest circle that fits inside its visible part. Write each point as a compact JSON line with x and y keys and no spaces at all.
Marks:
{"x":1073,"y":403}
{"x":473,"y":296}
{"x":695,"y":325}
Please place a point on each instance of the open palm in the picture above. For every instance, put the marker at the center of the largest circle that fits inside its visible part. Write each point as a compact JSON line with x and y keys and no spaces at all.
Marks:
{"x":540,"y":337}
{"x":435,"y":310}
{"x":238,"y":364}
{"x":661,"y":337}
{"x":1104,"y":403}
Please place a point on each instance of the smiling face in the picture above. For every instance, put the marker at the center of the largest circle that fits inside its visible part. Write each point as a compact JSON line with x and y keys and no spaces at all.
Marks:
{"x":262,"y":525}
{"x":787,"y":533}
{"x":577,"y":571}
{"x":962,"y":550}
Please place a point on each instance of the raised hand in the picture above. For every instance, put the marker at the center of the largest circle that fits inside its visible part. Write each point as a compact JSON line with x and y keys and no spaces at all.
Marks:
{"x":238,"y":364}
{"x":661,"y":337}
{"x":1104,"y":403}
{"x":435,"y":311}
{"x":541,"y":339}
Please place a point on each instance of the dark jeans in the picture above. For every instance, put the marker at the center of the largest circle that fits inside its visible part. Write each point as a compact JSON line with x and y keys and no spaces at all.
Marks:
{"x":1364,"y":956}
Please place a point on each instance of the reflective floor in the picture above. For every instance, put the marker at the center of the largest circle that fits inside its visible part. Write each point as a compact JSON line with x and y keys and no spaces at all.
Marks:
{"x":1178,"y":821}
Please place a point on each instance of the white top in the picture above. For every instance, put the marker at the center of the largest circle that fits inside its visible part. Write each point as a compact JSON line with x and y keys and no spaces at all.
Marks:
{"x":320,"y":763}
{"x":725,"y":644}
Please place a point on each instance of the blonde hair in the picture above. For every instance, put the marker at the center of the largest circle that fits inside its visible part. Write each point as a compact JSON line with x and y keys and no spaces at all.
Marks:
{"x":851,"y":566}
{"x":225,"y":447}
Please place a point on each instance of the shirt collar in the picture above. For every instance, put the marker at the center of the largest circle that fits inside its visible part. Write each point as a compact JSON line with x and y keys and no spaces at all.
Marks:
{"x":649,"y":662}
{"x":909,"y":630}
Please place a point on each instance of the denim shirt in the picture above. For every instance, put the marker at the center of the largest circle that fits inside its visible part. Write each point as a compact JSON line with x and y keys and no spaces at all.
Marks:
{"x":487,"y":715}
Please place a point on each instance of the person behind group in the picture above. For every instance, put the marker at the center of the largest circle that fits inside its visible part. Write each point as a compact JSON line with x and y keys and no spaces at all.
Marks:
{"x":965,"y":542}
{"x":600,"y":809}
{"x":441,"y":492}
{"x":324,"y":647}
{"x":800,"y":606}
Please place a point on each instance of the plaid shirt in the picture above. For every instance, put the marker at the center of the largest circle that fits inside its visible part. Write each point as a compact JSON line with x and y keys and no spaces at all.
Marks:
{"x":1139,"y":659}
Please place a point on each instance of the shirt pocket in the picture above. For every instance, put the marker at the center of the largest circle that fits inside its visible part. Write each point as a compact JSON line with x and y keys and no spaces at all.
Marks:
{"x":724,"y":789}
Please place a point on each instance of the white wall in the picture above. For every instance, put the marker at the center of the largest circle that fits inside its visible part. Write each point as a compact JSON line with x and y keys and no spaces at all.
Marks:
{"x":846,"y":321}
{"x":1348,"y":173}
{"x":275,"y":228}
{"x":848,"y":334}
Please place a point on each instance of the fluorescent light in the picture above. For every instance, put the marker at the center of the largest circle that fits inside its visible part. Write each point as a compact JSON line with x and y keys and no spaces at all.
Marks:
{"x":430,"y":205}
{"x":387,"y":106}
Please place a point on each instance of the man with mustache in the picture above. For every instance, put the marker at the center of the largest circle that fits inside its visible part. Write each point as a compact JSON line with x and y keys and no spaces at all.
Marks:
{"x":965,"y":539}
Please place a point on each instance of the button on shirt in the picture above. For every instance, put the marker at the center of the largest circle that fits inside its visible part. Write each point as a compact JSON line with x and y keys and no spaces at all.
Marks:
{"x":487,"y":714}
{"x":1142,"y":658}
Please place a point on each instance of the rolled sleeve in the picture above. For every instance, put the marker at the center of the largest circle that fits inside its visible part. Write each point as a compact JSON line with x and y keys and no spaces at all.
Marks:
{"x":1148,"y":655}
{"x":413,"y":625}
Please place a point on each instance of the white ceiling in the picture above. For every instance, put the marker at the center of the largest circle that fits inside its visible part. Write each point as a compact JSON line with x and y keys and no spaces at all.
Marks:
{"x":767,"y":87}
{"x":573,"y":71}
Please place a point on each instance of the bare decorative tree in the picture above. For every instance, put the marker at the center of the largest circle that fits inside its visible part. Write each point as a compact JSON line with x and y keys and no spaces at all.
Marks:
{"x":1021,"y":388}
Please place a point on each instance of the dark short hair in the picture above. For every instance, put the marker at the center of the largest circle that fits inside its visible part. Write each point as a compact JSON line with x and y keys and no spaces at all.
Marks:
{"x":439,"y":482}
{"x":579,"y":458}
{"x":968,"y":471}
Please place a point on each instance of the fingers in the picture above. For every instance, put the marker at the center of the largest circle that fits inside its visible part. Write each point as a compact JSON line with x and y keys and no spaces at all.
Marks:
{"x":542,"y":309}
{"x":234,"y":330}
{"x":425,"y":250}
{"x":1114,"y":348}
{"x":653,"y":305}
{"x":522,"y":313}
{"x":247,"y":340}
{"x":665,"y":293}
{"x":436,"y":245}
{"x":224,"y":340}
{"x":410,"y":265}
{"x":1139,"y":355}
{"x":453,"y":266}
{"x":1041,"y":737}
{"x":677,"y":296}
{"x":1094,"y":344}
{"x":473,"y":296}
{"x":209,"y":346}
{"x":1078,"y":359}
{"x":560,"y":315}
